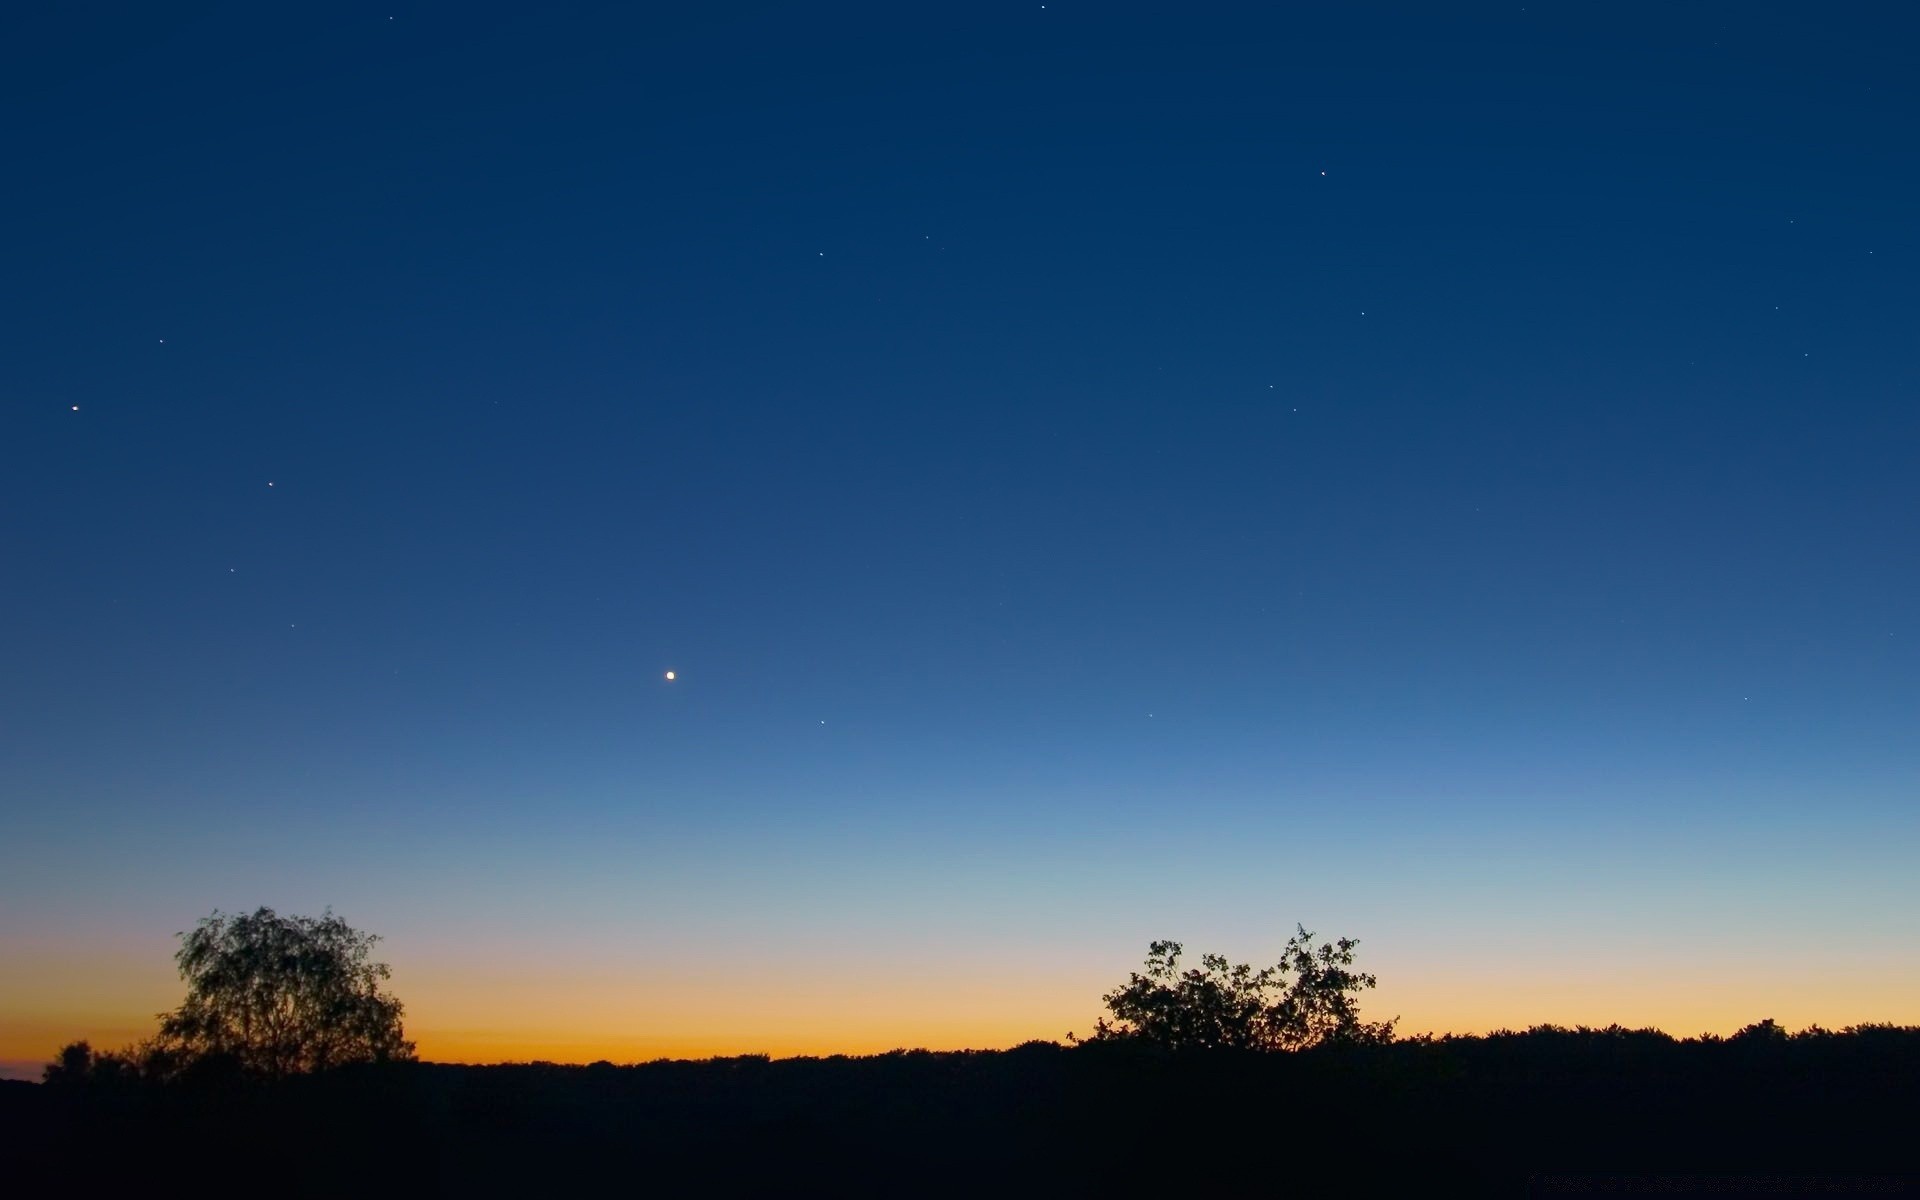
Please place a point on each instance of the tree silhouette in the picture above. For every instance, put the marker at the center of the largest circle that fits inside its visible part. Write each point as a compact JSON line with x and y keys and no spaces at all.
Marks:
{"x":73,"y":1068}
{"x":281,"y":996}
{"x":1234,"y":1006}
{"x":80,"y":1066}
{"x":1763,"y":1033}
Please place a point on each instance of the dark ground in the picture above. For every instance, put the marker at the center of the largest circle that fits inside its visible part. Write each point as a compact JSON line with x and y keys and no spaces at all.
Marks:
{"x":1469,"y":1117}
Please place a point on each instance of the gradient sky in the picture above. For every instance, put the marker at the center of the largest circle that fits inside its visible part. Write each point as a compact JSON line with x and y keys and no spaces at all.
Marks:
{"x":1445,"y":474}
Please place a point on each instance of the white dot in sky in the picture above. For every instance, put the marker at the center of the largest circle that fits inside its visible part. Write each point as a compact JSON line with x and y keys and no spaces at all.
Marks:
{"x":76,"y":408}
{"x":670,"y":676}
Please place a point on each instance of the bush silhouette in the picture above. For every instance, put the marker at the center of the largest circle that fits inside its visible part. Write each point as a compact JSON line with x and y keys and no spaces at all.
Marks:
{"x":277,"y":996}
{"x":1224,"y":1006}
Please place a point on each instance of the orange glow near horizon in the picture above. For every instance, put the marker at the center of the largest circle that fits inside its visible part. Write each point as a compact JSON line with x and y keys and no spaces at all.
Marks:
{"x":471,"y":1017}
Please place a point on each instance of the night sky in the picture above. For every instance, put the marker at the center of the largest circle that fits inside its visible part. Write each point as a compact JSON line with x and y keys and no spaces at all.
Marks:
{"x":1445,"y":474}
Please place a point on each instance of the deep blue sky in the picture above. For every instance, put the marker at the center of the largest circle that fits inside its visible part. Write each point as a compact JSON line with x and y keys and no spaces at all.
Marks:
{"x":1056,"y":447}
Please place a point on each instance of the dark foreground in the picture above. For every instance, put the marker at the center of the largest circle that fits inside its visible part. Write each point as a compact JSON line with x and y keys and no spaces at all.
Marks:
{"x":1469,"y":1117}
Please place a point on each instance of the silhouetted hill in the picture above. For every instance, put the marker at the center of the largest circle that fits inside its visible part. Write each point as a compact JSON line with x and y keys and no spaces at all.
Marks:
{"x":1457,"y":1116}
{"x":16,"y":1095}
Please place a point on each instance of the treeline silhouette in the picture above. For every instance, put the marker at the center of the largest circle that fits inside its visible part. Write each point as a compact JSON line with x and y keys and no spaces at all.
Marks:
{"x":1265,"y":1082}
{"x":1420,"y":1116}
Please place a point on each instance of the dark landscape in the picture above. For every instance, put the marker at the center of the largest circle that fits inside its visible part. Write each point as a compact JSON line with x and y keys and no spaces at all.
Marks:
{"x":287,"y":1068}
{"x":1473,"y":1116}
{"x":723,"y":539}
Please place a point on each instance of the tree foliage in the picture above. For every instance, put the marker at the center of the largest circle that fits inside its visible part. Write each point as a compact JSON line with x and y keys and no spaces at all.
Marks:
{"x":281,"y":996}
{"x":79,"y":1065}
{"x":72,"y":1068}
{"x":1307,"y":999}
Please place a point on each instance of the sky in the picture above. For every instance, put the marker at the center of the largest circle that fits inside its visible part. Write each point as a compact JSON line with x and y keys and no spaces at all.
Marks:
{"x":1441,"y":474}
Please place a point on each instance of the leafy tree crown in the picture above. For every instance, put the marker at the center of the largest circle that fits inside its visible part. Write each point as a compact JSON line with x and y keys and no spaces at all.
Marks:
{"x":1309,"y":998}
{"x":282,"y":995}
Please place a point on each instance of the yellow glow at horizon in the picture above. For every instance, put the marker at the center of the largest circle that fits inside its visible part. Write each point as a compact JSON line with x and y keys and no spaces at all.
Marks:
{"x":460,"y":1014}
